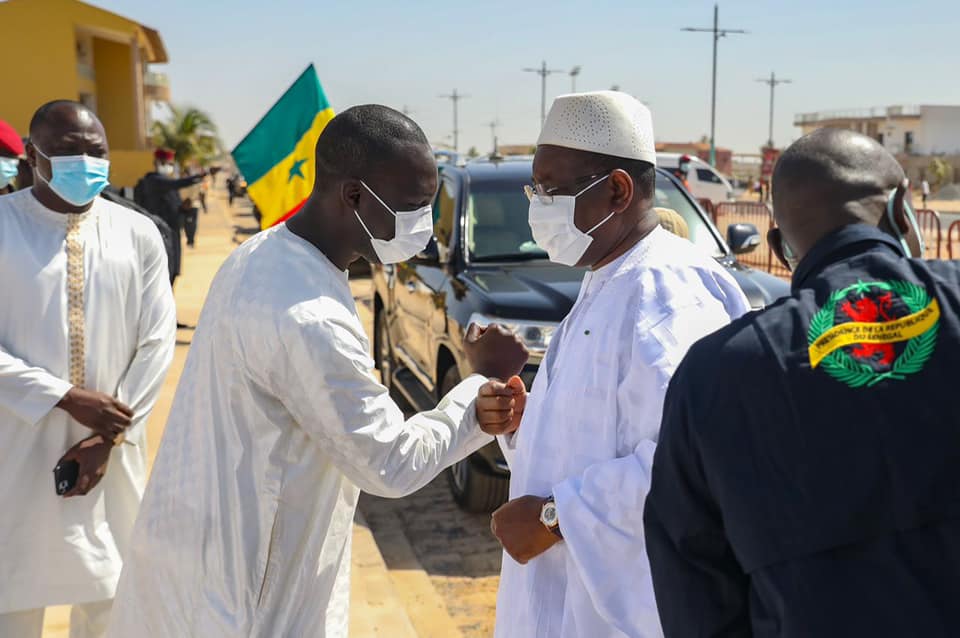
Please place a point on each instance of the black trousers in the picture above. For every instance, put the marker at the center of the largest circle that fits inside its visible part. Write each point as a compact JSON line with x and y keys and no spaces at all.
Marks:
{"x":190,"y":224}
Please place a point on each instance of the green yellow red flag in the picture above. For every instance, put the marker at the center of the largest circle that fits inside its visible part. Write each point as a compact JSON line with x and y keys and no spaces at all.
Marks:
{"x":277,"y":156}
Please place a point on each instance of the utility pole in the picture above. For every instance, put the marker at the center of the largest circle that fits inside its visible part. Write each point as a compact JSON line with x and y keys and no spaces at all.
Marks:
{"x":406,"y":110}
{"x":493,"y":124}
{"x":773,"y":81}
{"x":455,"y":98}
{"x":574,"y":72}
{"x":717,"y":34}
{"x":543,"y":72}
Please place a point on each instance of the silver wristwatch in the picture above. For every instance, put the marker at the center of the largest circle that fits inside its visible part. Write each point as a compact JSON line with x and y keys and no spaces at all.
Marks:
{"x":549,"y":516}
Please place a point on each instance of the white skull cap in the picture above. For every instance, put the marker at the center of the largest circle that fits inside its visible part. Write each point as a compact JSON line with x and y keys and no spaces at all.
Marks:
{"x":606,"y":122}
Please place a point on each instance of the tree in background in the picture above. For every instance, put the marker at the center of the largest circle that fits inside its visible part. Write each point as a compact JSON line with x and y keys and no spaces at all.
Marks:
{"x":473,"y":152}
{"x":191,"y":134}
{"x":939,"y":173}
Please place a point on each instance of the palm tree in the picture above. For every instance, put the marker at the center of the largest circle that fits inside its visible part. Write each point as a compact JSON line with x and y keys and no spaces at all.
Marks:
{"x":190,"y":134}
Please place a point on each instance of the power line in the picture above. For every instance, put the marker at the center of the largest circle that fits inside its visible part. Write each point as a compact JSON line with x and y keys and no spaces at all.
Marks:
{"x":543,"y":72}
{"x":772,"y":81}
{"x":455,"y":98}
{"x":494,"y":124}
{"x":717,"y":34}
{"x":574,"y":72}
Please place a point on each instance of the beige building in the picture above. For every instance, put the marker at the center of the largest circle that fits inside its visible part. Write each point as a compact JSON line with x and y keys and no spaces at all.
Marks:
{"x":902,"y":129}
{"x":80,"y":52}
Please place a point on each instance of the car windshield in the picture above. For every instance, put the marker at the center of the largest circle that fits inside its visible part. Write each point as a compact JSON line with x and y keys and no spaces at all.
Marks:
{"x":497,"y":227}
{"x":669,"y":196}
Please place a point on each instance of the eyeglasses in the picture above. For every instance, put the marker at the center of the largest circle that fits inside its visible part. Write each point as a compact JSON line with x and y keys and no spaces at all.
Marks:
{"x":546,"y":195}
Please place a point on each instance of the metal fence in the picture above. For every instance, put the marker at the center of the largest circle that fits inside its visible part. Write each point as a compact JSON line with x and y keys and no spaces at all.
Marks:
{"x":932,"y":232}
{"x":939,"y":245}
{"x":953,"y":240}
{"x":762,"y":258}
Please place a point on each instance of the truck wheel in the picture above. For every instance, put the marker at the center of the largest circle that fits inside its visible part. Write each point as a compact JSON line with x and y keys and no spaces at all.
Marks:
{"x":473,"y":489}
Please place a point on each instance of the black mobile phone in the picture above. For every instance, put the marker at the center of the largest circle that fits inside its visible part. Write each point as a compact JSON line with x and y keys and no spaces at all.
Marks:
{"x":65,"y":476}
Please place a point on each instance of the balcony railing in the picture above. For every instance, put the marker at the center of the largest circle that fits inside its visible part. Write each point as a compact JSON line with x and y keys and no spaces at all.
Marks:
{"x":155,"y":79}
{"x":156,"y":87}
{"x":880,"y":113}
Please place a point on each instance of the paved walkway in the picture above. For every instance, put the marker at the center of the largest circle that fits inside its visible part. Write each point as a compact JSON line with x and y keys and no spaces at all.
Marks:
{"x":377,"y":610}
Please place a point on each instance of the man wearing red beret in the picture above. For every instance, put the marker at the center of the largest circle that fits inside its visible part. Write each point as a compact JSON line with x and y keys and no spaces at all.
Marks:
{"x":11,"y":150}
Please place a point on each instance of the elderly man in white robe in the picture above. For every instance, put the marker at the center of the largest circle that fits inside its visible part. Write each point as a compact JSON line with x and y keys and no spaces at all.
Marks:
{"x":575,"y":562}
{"x":278,"y":422}
{"x":87,"y":333}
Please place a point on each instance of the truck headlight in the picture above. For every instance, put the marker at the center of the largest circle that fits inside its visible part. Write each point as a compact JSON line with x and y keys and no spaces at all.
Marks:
{"x":536,"y":335}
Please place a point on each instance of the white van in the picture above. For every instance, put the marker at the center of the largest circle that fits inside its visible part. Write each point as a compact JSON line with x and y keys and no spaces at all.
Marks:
{"x":705,"y":182}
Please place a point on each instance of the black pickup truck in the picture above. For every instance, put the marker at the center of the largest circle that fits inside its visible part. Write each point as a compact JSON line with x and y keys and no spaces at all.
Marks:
{"x":482,"y":265}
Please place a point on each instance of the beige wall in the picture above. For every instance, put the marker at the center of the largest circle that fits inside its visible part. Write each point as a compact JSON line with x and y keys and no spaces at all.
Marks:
{"x":39,"y":38}
{"x":126,"y":167}
{"x":915,"y":165}
{"x":116,"y":94}
{"x":42,"y":61}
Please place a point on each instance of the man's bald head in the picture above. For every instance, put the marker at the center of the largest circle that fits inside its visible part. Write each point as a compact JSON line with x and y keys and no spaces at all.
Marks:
{"x":834,"y":173}
{"x":363,"y":140}
{"x":829,"y":179}
{"x":63,"y":117}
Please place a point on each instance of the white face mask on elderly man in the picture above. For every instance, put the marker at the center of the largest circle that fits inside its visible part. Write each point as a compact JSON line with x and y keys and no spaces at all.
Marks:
{"x":551,"y":219}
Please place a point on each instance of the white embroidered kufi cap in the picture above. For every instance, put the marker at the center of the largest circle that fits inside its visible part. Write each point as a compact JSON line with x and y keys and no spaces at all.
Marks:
{"x":606,"y":122}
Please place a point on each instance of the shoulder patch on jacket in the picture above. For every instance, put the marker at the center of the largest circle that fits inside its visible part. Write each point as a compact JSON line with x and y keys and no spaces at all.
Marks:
{"x":869,"y":332}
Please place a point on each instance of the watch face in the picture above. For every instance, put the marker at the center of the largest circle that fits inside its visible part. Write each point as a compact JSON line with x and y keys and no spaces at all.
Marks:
{"x":548,"y":516}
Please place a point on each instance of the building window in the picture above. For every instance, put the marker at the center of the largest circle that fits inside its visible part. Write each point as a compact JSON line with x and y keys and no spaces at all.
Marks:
{"x":908,"y":142}
{"x":880,"y":138}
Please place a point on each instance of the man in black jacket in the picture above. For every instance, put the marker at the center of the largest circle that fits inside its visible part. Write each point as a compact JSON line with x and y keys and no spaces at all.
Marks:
{"x":807,"y":477}
{"x":159,"y":192}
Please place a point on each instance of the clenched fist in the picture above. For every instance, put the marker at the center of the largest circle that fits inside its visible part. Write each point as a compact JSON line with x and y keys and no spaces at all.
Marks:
{"x":500,"y":405}
{"x":494,"y":351}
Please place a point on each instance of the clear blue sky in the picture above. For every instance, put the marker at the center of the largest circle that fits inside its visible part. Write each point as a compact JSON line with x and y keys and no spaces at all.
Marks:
{"x":235,"y":58}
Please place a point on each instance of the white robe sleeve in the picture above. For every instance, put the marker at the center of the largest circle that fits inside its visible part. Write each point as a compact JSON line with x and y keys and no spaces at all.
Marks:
{"x":27,"y":391}
{"x":601,"y":510}
{"x":156,"y":337}
{"x":601,"y":518}
{"x":329,"y":389}
{"x":508,"y":445}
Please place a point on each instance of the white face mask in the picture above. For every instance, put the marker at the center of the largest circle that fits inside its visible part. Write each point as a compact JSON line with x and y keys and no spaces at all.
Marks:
{"x":554,"y":229}
{"x":413,"y":231}
{"x":166,"y":170}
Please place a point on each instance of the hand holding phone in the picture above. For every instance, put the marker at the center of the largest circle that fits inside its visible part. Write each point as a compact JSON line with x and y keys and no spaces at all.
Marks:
{"x":65,"y":476}
{"x":83,"y":466}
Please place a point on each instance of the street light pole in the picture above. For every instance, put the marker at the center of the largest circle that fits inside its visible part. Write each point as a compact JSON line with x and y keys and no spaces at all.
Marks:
{"x":493,"y":124}
{"x":574,"y":72}
{"x":543,"y":72}
{"x":773,"y":81}
{"x":717,"y":34}
{"x":455,"y":98}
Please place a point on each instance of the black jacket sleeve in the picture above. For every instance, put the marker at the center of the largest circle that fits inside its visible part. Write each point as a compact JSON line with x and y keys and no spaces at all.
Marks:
{"x":700,"y":587}
{"x":170,"y":184}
